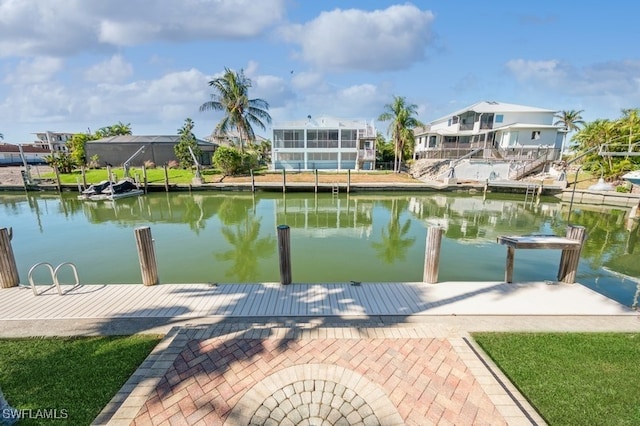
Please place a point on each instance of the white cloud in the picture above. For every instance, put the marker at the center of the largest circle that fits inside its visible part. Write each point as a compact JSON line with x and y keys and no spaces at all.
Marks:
{"x":64,"y":27}
{"x":36,"y":70}
{"x":609,"y":85}
{"x":352,"y":39}
{"x":113,"y":70}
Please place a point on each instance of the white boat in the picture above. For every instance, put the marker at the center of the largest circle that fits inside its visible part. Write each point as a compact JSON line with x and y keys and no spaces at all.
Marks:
{"x":633,"y":177}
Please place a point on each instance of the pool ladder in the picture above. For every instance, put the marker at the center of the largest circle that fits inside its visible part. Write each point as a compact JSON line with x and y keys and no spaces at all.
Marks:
{"x":335,"y":189}
{"x":54,"y":277}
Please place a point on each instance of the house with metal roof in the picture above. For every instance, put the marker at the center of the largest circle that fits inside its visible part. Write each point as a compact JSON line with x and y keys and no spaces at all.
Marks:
{"x":159,"y":149}
{"x":17,"y":155}
{"x":324,"y":143}
{"x":491,"y":130}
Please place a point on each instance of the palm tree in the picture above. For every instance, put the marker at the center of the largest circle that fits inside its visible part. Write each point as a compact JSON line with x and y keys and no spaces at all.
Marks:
{"x":241,"y":113}
{"x":401,"y":115}
{"x":571,"y":121}
{"x":1,"y":136}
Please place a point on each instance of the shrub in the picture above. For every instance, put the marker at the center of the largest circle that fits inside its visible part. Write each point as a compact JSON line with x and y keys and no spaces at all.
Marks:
{"x":623,"y":188}
{"x":149,"y":164}
{"x":173,"y":164}
{"x":228,"y":160}
{"x":94,"y":162}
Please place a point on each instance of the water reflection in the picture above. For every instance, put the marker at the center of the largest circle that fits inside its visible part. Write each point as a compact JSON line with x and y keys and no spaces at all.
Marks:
{"x":241,"y":229}
{"x":223,"y":237}
{"x":394,"y":240}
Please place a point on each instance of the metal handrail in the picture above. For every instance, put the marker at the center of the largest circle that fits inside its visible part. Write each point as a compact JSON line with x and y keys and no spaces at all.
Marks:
{"x":33,"y":284}
{"x":54,"y":277}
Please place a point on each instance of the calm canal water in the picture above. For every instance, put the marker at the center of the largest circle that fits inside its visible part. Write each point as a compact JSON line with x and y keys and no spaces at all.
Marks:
{"x":367,"y":237}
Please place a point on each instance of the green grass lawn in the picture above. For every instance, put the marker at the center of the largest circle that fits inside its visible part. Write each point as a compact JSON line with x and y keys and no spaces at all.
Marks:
{"x":176,"y":176}
{"x":572,"y":378}
{"x":79,"y":375}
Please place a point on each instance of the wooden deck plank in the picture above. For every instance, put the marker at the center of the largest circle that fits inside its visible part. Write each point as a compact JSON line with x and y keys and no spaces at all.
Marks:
{"x":274,"y":300}
{"x":111,"y":301}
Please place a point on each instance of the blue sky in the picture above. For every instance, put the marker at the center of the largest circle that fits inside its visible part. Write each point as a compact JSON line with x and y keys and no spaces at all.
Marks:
{"x":73,"y":65}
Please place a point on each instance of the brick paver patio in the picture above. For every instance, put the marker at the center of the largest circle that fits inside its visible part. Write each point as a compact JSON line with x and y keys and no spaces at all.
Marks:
{"x":326,"y":376}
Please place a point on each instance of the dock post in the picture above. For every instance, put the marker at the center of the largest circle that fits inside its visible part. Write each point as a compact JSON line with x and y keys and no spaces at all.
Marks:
{"x":8,"y":269}
{"x":253,"y":182}
{"x":284,"y":251}
{"x":84,"y":177}
{"x":570,"y":258}
{"x":348,"y":180}
{"x":55,"y":169}
{"x":144,"y":177}
{"x":315,"y":172}
{"x":432,"y":255}
{"x":166,"y":179}
{"x":147,"y":256}
{"x":284,"y":180}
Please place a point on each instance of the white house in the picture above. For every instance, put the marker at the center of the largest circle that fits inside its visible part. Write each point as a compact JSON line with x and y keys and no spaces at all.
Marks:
{"x":53,"y":141}
{"x":324,"y":143}
{"x":497,"y":129}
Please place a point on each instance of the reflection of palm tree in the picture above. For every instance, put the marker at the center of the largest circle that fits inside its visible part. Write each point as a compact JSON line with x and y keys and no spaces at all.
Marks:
{"x":393,"y":245}
{"x":246,"y":249}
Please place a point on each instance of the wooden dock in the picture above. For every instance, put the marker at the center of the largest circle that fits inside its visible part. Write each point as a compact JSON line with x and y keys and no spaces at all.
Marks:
{"x":306,"y":300}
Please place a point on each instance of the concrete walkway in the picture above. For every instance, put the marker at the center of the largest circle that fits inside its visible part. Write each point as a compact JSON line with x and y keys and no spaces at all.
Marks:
{"x":346,"y":353}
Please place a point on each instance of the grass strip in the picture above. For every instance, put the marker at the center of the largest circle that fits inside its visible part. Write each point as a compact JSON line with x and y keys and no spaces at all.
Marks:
{"x":78,"y":375}
{"x":572,"y":378}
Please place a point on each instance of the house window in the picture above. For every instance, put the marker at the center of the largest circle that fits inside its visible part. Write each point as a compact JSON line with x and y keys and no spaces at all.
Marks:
{"x":499,"y":118}
{"x":535,"y":135}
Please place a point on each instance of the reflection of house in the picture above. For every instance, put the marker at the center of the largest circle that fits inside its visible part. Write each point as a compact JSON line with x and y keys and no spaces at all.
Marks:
{"x":324,"y":143}
{"x":116,"y":150}
{"x":495,"y":130}
{"x":53,"y":141}
{"x":322,"y":218}
{"x":10,"y":154}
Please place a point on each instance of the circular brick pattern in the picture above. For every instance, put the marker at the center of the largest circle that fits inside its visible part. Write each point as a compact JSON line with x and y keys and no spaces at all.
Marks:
{"x":315,"y":394}
{"x":314,"y":402}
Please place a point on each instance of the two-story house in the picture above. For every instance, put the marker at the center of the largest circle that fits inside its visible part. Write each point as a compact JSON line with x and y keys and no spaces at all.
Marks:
{"x":53,"y":141}
{"x":491,"y":130}
{"x":324,"y":143}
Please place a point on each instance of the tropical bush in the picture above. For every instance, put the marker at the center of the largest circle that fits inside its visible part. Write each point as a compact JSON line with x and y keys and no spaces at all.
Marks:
{"x":62,"y":161}
{"x":228,"y":160}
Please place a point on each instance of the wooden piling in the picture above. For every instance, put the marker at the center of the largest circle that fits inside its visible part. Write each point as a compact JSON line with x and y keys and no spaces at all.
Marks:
{"x":144,"y":177}
{"x":59,"y":185}
{"x":315,"y":172}
{"x":432,"y":254}
{"x":8,"y":269}
{"x":166,"y":179}
{"x":284,"y":251}
{"x":147,"y":255}
{"x":284,"y":180}
{"x":84,"y":177}
{"x":570,"y":258}
{"x":109,"y":174}
{"x":348,"y":180}
{"x":253,"y":182}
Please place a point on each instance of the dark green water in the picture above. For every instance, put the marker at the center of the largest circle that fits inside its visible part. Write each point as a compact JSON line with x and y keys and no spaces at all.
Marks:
{"x":231,"y":237}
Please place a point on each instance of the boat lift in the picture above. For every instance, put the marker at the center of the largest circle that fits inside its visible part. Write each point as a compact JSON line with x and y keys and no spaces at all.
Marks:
{"x":127,"y":163}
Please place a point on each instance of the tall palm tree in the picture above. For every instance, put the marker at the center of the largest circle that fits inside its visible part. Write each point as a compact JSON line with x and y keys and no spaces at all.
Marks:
{"x":401,"y":115}
{"x":241,"y":113}
{"x":571,"y":121}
